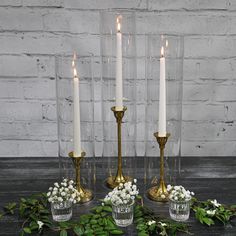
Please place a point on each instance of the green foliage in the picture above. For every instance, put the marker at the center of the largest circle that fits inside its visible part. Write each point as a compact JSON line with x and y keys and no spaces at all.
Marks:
{"x":207,"y":213}
{"x":37,"y":218}
{"x":148,"y":223}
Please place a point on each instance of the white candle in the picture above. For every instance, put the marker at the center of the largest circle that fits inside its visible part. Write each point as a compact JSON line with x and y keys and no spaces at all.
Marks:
{"x":119,"y":86}
{"x":76,"y":120}
{"x":162,"y":96}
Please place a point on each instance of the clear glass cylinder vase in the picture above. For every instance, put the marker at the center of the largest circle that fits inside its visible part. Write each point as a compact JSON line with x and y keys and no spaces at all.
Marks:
{"x":173,"y":53}
{"x":108,"y":30}
{"x":65,"y":114}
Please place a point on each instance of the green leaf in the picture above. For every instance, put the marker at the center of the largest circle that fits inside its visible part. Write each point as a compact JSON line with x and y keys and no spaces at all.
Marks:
{"x":78,"y":230}
{"x":99,"y":209}
{"x":27,"y":230}
{"x":84,"y":219}
{"x":107,"y":208}
{"x":93,"y":222}
{"x":116,"y":232}
{"x":33,"y":225}
{"x":208,"y":221}
{"x":10,"y":207}
{"x":63,"y":232}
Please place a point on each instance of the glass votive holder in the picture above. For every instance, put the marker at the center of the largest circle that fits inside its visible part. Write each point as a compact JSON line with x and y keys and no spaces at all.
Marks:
{"x":123,"y":213}
{"x":61,"y":211}
{"x":179,"y":210}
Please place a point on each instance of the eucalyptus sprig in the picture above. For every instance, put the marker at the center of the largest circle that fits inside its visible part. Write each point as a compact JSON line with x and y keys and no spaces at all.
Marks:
{"x":210,"y":211}
{"x":148,"y":223}
{"x":34,"y":213}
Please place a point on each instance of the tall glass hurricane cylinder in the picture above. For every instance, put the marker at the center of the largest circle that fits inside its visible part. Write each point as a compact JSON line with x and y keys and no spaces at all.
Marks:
{"x":173,"y":53}
{"x":108,"y":29}
{"x":65,"y":109}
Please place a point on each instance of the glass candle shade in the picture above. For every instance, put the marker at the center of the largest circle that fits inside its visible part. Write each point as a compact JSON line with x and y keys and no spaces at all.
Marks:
{"x":173,"y":53}
{"x":65,"y":110}
{"x":108,"y":29}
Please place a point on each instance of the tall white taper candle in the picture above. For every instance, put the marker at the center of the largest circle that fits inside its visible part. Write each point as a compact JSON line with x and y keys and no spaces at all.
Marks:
{"x":76,"y":120}
{"x":162,"y":96}
{"x":119,"y":84}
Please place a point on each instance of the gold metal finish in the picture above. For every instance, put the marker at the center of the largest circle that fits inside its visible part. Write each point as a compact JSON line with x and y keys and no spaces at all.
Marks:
{"x":114,"y":181}
{"x":86,"y":195}
{"x":160,"y":194}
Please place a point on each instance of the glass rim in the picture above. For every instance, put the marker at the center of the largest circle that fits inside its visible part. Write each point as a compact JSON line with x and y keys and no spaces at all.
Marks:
{"x":181,"y":201}
{"x":167,"y":34}
{"x":128,"y":204}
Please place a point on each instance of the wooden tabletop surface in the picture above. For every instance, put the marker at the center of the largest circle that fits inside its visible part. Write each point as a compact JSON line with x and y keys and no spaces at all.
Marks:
{"x":208,"y":177}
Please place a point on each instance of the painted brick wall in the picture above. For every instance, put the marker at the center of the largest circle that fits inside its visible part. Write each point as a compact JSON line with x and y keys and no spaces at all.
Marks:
{"x":33,"y":31}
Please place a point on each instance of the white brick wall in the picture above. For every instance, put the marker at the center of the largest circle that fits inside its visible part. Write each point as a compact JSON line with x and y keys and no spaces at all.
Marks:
{"x":33,"y":31}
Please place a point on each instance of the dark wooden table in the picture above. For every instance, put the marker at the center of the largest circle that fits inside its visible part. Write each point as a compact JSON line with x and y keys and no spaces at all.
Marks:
{"x":208,"y":177}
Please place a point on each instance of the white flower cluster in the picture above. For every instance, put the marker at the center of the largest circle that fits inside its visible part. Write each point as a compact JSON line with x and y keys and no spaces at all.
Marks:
{"x":211,"y":212}
{"x":215,"y":203}
{"x":123,"y":194}
{"x":179,"y":193}
{"x":40,"y":224}
{"x":62,"y":192}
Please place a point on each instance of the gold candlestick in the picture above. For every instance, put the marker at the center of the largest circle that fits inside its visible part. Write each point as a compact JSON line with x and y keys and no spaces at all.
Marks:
{"x":114,"y":181}
{"x":160,"y":194}
{"x":86,"y":195}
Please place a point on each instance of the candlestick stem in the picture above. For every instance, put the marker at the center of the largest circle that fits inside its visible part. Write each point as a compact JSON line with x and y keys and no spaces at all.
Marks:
{"x":112,"y":181}
{"x":159,"y":193}
{"x":85,"y":194}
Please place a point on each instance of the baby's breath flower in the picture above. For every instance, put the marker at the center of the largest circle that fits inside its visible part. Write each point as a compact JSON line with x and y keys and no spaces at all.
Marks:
{"x":62,"y":192}
{"x":211,"y":212}
{"x":179,"y":193}
{"x":40,"y":224}
{"x":123,"y":194}
{"x":162,"y":224}
{"x":215,"y":203}
{"x":151,"y":222}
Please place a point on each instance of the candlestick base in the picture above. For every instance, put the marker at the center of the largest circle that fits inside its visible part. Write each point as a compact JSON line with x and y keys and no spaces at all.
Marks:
{"x":159,"y":193}
{"x":86,"y":195}
{"x":114,"y":181}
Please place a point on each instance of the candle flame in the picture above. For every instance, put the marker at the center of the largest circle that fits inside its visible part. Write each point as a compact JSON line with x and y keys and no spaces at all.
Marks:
{"x":74,"y":59}
{"x":118,"y":23}
{"x":118,"y":27}
{"x":75,"y":73}
{"x":162,"y":51}
{"x":167,"y":43}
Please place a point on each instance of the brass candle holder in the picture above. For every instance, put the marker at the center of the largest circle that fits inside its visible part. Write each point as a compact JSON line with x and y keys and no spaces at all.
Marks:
{"x":86,"y":195}
{"x":114,"y":181}
{"x":155,"y":193}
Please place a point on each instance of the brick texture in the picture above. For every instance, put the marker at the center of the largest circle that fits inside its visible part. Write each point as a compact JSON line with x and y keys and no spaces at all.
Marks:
{"x":33,"y":31}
